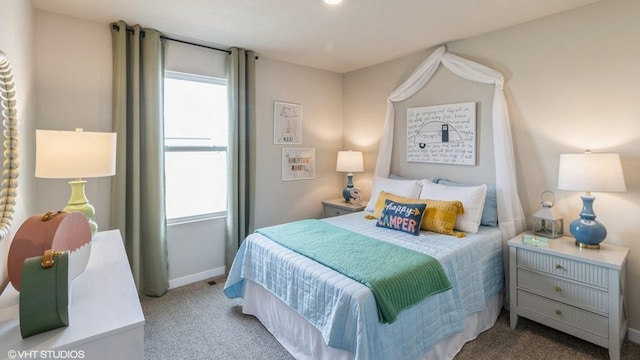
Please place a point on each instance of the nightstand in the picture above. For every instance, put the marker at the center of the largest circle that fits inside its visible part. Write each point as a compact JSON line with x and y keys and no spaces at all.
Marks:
{"x":337,"y":207}
{"x":577,"y":291}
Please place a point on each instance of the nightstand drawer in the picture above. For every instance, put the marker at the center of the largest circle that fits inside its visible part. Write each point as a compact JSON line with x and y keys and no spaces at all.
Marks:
{"x":565,"y":314}
{"x":563,"y":267}
{"x":330,"y":211}
{"x":337,"y":207}
{"x":565,"y":291}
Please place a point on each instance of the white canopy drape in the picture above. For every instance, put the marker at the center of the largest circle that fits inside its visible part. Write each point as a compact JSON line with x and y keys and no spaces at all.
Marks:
{"x":510,"y":215}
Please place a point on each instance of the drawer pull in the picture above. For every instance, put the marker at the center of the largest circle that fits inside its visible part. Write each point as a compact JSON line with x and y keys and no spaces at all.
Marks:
{"x":558,"y":312}
{"x":558,"y":289}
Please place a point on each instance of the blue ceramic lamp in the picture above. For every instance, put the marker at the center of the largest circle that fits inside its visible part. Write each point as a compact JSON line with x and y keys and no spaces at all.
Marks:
{"x":590,"y":172}
{"x":349,"y":162}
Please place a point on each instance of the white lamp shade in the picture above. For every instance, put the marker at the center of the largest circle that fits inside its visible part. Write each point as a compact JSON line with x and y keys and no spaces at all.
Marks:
{"x":350,"y":161}
{"x":591,"y":172}
{"x":75,"y":154}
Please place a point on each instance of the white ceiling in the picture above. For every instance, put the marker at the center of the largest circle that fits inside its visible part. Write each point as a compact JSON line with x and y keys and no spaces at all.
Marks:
{"x":340,"y":38}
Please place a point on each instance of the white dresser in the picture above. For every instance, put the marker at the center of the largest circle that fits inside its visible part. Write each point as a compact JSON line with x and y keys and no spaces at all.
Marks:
{"x":105,"y":316}
{"x":574,"y":290}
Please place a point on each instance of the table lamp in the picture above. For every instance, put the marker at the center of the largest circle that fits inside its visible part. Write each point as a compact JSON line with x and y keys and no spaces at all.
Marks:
{"x":76,"y":155}
{"x":349,"y":162}
{"x":590,"y":172}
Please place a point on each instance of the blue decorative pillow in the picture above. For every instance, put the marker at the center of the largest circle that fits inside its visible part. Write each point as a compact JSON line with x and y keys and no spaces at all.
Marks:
{"x":490,"y":209}
{"x":402,"y":216}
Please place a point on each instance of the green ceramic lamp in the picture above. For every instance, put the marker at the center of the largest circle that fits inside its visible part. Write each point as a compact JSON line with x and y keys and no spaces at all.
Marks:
{"x":76,"y":155}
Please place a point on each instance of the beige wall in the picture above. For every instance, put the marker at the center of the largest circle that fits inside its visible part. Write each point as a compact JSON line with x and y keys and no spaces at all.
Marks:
{"x":73,"y":78}
{"x":572,"y":83}
{"x":17,"y":41}
{"x":74,"y":90}
{"x":365,"y":112}
{"x":73,"y":83}
{"x":320,"y":94}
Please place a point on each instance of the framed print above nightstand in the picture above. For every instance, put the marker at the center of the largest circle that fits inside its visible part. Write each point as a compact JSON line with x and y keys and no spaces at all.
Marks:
{"x":298,"y":163}
{"x":287,"y":123}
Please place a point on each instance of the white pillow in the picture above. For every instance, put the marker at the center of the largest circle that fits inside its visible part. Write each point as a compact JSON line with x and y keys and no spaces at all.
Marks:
{"x":406,"y":188}
{"x":472,"y":198}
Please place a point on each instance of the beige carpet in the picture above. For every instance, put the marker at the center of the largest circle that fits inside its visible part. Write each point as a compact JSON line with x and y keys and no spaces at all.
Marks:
{"x":198,"y":322}
{"x":531,"y":340}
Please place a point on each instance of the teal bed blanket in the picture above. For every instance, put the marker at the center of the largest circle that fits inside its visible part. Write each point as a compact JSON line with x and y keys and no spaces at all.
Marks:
{"x":398,"y":277}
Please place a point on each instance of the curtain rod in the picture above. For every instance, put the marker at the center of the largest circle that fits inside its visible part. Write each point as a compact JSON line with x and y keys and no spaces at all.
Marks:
{"x":129,"y":28}
{"x":195,"y":44}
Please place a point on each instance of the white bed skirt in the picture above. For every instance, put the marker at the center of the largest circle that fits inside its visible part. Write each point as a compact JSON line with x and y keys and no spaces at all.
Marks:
{"x":303,"y":341}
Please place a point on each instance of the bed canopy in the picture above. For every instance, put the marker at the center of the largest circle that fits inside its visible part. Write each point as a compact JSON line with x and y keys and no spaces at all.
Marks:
{"x":510,"y":215}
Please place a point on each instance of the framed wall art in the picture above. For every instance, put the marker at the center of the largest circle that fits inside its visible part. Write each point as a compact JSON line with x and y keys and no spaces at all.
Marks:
{"x":287,"y":123}
{"x":444,"y":134}
{"x":298,"y":163}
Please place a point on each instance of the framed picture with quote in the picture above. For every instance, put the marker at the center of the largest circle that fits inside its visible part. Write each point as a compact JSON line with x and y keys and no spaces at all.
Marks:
{"x":442,"y":134}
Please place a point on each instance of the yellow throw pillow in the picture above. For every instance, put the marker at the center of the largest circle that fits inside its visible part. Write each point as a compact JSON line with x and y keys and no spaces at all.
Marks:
{"x":440,"y":215}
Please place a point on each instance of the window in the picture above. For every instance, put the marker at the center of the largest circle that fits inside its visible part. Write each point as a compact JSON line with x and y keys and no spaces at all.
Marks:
{"x":195,"y":130}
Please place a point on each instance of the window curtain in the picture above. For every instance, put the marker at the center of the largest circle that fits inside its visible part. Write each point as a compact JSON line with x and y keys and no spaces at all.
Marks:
{"x":510,"y":215}
{"x":137,"y":202}
{"x":241,"y":156}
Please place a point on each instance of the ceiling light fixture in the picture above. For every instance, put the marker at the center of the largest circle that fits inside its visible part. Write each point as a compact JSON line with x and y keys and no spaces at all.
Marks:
{"x":332,"y":2}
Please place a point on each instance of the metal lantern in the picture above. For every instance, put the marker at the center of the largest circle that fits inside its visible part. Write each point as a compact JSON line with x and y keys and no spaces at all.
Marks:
{"x":546,"y":221}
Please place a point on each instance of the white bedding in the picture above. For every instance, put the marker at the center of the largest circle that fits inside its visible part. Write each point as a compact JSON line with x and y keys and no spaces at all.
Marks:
{"x":344,"y":311}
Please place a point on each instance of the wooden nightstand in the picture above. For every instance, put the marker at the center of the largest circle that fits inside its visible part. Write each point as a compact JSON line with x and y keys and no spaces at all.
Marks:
{"x":337,"y":207}
{"x":577,"y":291}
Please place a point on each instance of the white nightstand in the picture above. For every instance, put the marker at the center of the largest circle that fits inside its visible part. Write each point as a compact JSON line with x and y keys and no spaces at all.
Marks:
{"x":577,"y":291}
{"x":337,"y":207}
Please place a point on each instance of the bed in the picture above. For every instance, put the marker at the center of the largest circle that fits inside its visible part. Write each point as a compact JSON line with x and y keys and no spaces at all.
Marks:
{"x":316,"y":312}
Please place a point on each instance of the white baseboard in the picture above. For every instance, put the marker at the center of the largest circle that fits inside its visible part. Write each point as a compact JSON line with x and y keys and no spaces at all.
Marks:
{"x":190,"y":279}
{"x":633,"y":335}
